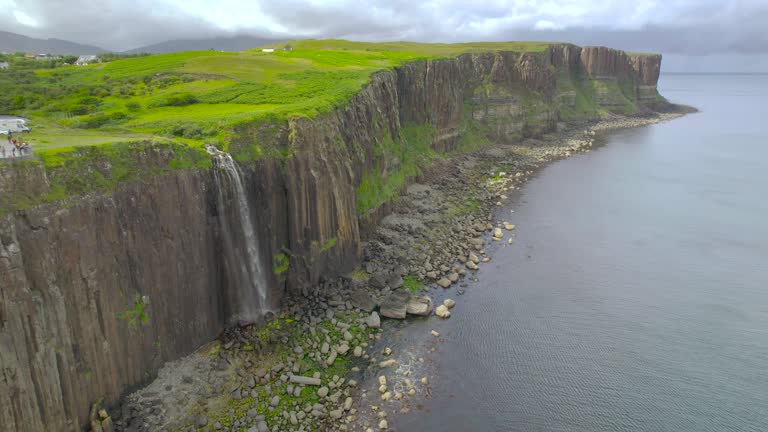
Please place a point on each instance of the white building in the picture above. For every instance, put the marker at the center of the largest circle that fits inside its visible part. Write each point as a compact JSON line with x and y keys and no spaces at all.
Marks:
{"x":267,"y":50}
{"x":4,"y":65}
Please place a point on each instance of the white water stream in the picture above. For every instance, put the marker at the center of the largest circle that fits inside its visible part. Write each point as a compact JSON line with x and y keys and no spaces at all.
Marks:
{"x":248,"y":282}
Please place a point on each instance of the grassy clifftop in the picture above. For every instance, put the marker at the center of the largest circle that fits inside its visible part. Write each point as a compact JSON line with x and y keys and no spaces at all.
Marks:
{"x":200,"y":96}
{"x":96,"y":126}
{"x":111,"y":114}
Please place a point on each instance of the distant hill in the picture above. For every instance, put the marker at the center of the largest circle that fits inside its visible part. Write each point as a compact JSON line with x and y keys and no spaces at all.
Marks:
{"x":12,"y":42}
{"x":236,"y":43}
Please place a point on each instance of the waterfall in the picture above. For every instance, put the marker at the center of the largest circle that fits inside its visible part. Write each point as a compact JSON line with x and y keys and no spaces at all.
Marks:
{"x":247,"y":290}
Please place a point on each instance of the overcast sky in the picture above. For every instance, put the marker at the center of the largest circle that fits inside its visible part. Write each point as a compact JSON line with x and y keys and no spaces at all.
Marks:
{"x":706,"y":33}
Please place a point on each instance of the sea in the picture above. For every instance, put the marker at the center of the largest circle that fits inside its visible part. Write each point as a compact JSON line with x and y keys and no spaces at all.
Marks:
{"x":635,"y":294}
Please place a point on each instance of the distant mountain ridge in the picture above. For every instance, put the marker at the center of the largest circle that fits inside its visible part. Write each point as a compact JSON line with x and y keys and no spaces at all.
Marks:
{"x":12,"y":42}
{"x":234,"y":43}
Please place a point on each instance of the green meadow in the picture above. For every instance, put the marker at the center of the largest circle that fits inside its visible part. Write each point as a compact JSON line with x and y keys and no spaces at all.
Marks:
{"x":95,"y":127}
{"x":200,"y":96}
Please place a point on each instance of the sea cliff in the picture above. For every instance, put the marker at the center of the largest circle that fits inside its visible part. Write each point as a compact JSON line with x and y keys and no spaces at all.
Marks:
{"x":100,"y":289}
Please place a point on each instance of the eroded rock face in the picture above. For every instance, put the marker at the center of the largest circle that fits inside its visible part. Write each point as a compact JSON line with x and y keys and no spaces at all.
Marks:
{"x":70,"y":279}
{"x":70,"y":275}
{"x":599,"y":62}
{"x":648,"y":68}
{"x":565,"y":55}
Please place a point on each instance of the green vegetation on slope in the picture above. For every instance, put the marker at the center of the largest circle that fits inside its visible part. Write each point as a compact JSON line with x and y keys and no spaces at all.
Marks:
{"x":240,"y":102}
{"x":584,"y":98}
{"x":201,"y":94}
{"x":412,"y":284}
{"x":80,"y":170}
{"x":432,"y":50}
{"x":399,"y":160}
{"x":84,"y":115}
{"x":577,"y":97}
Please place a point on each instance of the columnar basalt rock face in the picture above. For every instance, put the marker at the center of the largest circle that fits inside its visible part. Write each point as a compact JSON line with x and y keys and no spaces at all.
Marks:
{"x":565,"y":55}
{"x":601,"y":62}
{"x":648,"y":68}
{"x":431,"y":92}
{"x":69,"y":278}
{"x":332,"y":155}
{"x":70,"y":272}
{"x":27,"y":179}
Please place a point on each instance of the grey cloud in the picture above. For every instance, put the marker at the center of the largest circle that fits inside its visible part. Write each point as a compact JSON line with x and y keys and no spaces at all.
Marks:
{"x":116,"y":25}
{"x":691,"y":27}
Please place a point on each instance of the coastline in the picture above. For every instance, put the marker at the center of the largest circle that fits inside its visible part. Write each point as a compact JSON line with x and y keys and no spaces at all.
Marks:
{"x":331,"y":339}
{"x":415,"y":357}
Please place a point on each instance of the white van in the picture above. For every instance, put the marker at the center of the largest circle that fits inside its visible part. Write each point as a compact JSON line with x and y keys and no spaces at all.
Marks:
{"x":13,"y":125}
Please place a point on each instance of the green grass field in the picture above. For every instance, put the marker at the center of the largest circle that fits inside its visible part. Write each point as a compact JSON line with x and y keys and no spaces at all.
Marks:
{"x":425,"y":49}
{"x":96,"y":127}
{"x":199,"y":96}
{"x":46,"y":136}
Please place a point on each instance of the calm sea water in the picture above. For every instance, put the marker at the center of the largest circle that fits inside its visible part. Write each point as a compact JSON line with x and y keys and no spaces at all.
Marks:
{"x":635,"y":297}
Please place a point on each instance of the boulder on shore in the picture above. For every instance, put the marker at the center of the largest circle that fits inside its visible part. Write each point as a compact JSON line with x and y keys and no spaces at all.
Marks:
{"x":395,"y":281}
{"x":363,"y":300}
{"x":373,"y":321}
{"x":378,"y":281}
{"x":394,"y":306}
{"x":387,"y":363}
{"x":298,"y":379}
{"x":445,"y":283}
{"x":442,"y":312}
{"x":419,"y":305}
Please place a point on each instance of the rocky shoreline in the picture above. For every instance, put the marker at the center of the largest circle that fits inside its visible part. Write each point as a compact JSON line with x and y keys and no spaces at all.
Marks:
{"x":323,"y":362}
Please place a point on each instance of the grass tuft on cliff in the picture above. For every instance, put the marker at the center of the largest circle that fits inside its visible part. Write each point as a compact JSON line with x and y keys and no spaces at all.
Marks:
{"x":399,"y":159}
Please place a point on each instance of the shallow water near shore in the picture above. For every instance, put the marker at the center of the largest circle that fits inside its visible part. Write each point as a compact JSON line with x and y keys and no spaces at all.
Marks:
{"x":633,"y":297}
